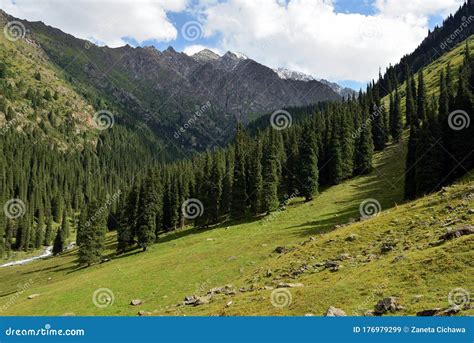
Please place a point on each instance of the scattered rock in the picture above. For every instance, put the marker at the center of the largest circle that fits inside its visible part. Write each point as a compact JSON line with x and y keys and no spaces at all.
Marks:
{"x":334,"y":312}
{"x":232,"y":258}
{"x":428,"y":313}
{"x":330,"y":264}
{"x":49,"y":279}
{"x":369,"y":313}
{"x":105,"y":260}
{"x":228,"y":303}
{"x":385,"y":305}
{"x":209,"y":239}
{"x":280,"y":250}
{"x":352,"y":237}
{"x":458,"y":232}
{"x":69,"y":314}
{"x":195,"y":300}
{"x":32,"y":296}
{"x":471,"y":211}
{"x":135,"y":302}
{"x":344,"y":256}
{"x":268,"y":288}
{"x":227,"y":290}
{"x":289,"y":285}
{"x":268,"y":273}
{"x":309,"y":315}
{"x":450,"y":311}
{"x":144,"y":313}
{"x":333,"y":266}
{"x":371,"y":257}
{"x":264,"y":245}
{"x":387,"y":247}
{"x":398,"y":258}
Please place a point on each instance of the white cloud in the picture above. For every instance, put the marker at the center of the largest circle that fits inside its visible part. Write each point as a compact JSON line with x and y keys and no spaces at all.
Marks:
{"x":308,"y":36}
{"x":304,"y":35}
{"x":192,"y":49}
{"x":423,"y":8}
{"x":104,"y":21}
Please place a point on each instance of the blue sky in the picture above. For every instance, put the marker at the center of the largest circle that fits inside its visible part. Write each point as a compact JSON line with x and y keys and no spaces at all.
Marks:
{"x":345,"y":41}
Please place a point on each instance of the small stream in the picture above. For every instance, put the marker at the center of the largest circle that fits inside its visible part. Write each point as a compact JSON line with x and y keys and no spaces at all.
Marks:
{"x":48,"y":251}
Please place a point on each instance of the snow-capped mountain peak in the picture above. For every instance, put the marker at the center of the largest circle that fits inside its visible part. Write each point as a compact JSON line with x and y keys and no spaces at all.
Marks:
{"x":288,"y":74}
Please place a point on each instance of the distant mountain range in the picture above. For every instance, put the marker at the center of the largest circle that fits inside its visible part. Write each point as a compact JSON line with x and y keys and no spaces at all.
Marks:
{"x":296,"y":75}
{"x":163,"y":89}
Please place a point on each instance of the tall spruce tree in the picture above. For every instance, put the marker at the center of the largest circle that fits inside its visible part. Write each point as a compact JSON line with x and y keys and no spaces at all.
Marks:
{"x":396,"y":125}
{"x":148,"y":205}
{"x":308,"y":174}
{"x":49,"y":232}
{"x":364,"y":150}
{"x":239,"y":184}
{"x":256,"y":178}
{"x":93,"y":232}
{"x":58,"y":245}
{"x":271,"y":179}
{"x":409,"y":97}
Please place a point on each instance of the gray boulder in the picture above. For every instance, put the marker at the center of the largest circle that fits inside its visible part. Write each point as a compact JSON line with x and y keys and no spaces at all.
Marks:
{"x":335,"y":312}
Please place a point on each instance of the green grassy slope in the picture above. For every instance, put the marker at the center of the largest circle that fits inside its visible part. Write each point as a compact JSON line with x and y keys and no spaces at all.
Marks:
{"x":420,"y":273}
{"x":191,"y":261}
{"x":431,"y":72}
{"x":66,"y":120}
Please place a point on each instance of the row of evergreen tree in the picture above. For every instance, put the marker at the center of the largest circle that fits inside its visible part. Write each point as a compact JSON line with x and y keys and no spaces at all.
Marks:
{"x":441,"y":143}
{"x":253,"y":176}
{"x":259,"y":171}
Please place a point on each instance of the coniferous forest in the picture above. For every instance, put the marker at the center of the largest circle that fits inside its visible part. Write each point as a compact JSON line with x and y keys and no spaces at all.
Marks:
{"x":188,"y":180}
{"x":254,"y":176}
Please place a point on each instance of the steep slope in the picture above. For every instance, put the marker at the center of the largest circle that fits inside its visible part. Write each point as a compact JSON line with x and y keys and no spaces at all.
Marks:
{"x":193,"y":261}
{"x":432,"y":71}
{"x":163,"y":89}
{"x":190,"y":261}
{"x":399,"y":253}
{"x":454,"y":30}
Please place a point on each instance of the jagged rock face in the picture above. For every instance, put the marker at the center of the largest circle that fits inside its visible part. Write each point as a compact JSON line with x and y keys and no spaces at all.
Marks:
{"x":167,"y":86}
